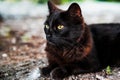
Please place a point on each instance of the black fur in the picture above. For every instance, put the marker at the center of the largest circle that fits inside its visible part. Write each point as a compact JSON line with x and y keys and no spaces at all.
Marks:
{"x":78,"y":48}
{"x":107,"y":42}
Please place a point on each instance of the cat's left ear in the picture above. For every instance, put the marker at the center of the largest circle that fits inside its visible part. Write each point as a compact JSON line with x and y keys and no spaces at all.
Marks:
{"x":52,"y":8}
{"x":74,"y":10}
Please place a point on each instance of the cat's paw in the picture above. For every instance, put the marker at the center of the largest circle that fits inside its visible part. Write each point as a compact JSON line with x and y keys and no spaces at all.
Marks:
{"x":58,"y":73}
{"x":45,"y":71}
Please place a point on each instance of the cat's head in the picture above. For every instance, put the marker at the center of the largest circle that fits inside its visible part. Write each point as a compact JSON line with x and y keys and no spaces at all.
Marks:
{"x":63,"y":28}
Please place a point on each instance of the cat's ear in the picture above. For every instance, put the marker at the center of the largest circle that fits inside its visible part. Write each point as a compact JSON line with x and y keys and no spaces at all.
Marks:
{"x":52,"y":8}
{"x":74,"y":10}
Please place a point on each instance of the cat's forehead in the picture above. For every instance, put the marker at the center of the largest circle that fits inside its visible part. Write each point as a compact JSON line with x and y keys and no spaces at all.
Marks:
{"x":54,"y":18}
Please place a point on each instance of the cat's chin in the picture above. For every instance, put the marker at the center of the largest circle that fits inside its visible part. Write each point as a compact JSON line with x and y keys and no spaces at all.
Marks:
{"x":54,"y":44}
{"x":51,"y":43}
{"x":61,"y":43}
{"x":60,"y":46}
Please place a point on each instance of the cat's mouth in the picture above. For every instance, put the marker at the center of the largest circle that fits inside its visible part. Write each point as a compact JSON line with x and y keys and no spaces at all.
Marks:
{"x":51,"y":42}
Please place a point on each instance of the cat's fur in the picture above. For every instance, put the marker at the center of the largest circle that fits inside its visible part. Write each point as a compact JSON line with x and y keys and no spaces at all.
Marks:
{"x":78,"y":48}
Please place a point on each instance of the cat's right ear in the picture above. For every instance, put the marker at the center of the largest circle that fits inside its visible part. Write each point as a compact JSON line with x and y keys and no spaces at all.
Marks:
{"x":74,"y":10}
{"x":52,"y":8}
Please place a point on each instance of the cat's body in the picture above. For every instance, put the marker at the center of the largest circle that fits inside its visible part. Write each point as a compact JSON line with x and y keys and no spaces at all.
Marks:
{"x":107,"y":41}
{"x":74,"y":47}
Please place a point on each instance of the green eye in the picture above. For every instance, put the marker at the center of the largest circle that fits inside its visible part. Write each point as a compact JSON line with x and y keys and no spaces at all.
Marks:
{"x":46,"y":26}
{"x":60,"y":27}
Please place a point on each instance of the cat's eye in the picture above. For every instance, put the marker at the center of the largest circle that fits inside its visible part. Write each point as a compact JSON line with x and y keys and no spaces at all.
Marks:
{"x":46,"y":26}
{"x":60,"y":27}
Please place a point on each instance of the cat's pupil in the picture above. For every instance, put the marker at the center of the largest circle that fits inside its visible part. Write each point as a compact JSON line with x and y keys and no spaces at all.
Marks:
{"x":60,"y":27}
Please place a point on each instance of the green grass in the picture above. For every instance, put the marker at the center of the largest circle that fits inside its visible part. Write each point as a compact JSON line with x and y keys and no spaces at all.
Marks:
{"x":108,"y":70}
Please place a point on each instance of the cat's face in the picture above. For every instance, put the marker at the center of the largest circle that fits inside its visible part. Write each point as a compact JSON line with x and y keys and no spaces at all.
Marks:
{"x":63,"y":28}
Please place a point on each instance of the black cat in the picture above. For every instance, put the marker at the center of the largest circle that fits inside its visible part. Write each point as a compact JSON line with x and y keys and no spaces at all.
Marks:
{"x":74,"y":47}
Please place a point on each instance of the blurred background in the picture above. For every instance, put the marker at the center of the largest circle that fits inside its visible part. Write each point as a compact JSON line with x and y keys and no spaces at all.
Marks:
{"x":21,"y":24}
{"x":38,"y":8}
{"x":22,"y":35}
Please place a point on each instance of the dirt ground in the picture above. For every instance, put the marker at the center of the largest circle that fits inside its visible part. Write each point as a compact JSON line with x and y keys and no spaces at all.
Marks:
{"x":22,"y":54}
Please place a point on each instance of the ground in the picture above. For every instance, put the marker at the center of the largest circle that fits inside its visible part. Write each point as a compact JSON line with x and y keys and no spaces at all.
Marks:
{"x":22,"y":55}
{"x":22,"y":43}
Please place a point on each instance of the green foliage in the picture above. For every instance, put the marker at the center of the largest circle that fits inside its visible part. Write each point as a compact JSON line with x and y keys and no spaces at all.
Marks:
{"x":39,"y":1}
{"x":4,"y":31}
{"x":64,"y":1}
{"x":108,"y":70}
{"x":26,"y":37}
